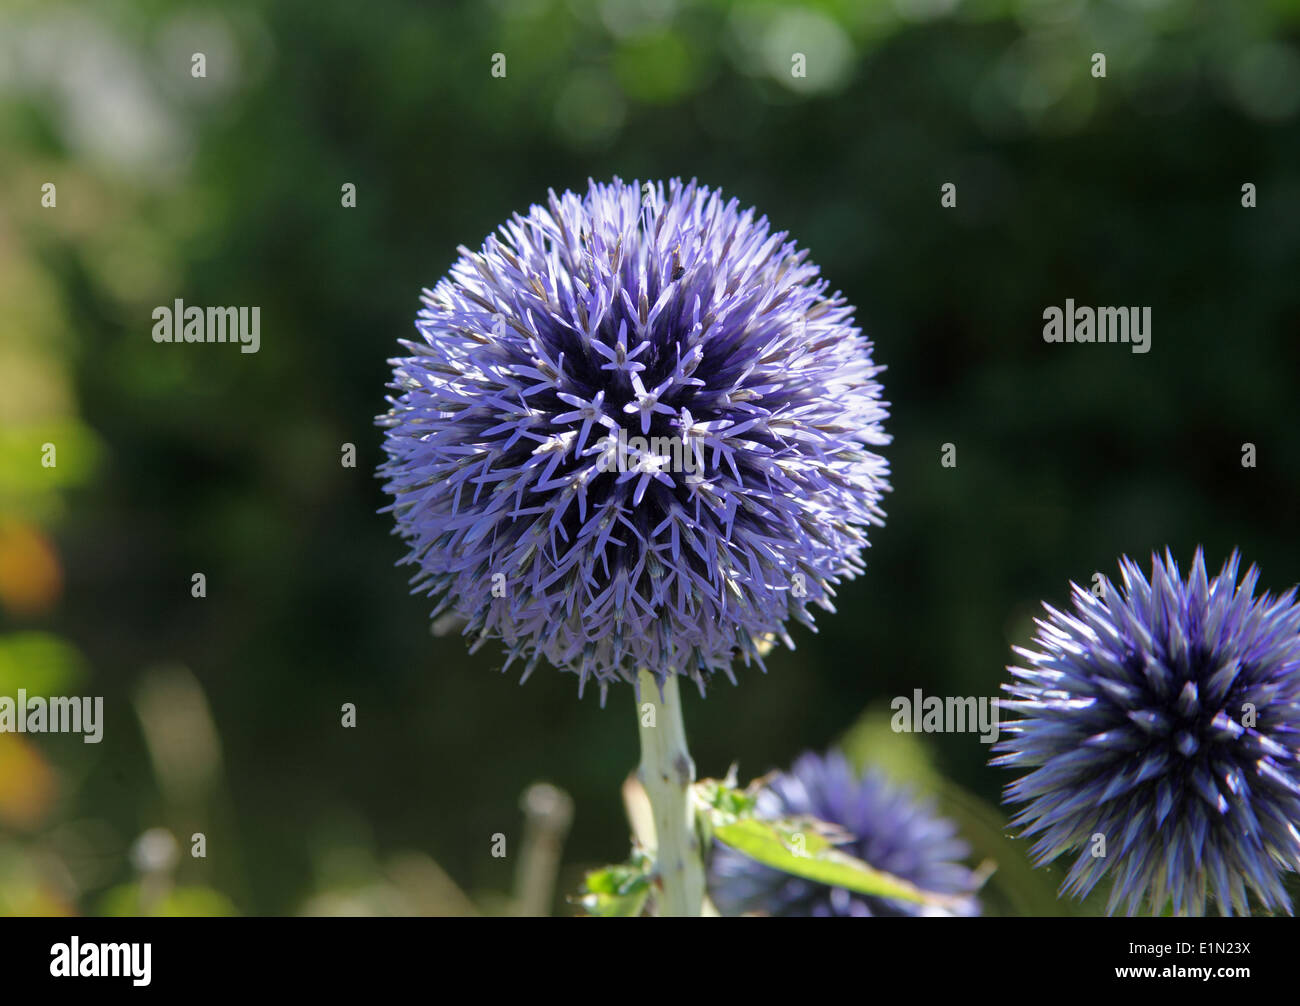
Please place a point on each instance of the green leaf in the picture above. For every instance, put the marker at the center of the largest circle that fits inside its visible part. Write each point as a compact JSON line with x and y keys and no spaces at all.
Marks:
{"x":800,"y":847}
{"x":724,"y":798}
{"x":617,"y":891}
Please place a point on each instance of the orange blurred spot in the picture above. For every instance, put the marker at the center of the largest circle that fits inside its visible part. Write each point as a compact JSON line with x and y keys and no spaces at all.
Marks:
{"x":26,"y":784}
{"x":30,"y":577}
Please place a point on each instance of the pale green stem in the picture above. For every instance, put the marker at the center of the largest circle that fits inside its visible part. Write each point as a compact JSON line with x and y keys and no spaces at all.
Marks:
{"x":667,"y":773}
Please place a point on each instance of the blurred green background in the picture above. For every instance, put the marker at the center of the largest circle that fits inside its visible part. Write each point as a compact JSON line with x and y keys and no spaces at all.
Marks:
{"x":223,"y":713}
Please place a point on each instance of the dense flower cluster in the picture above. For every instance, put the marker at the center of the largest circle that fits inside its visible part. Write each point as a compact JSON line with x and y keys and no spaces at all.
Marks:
{"x":638,"y":431}
{"x":1159,"y":734}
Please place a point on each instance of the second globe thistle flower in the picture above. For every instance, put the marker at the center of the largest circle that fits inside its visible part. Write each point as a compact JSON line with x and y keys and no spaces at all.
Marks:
{"x":1160,"y":727}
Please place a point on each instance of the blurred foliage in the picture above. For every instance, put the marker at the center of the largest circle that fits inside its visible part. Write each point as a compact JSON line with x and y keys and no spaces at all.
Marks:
{"x":223,"y":713}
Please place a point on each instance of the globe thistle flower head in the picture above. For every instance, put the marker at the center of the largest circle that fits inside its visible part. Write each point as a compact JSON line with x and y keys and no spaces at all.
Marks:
{"x":637,"y":431}
{"x":1163,"y":718}
{"x":890,"y":830}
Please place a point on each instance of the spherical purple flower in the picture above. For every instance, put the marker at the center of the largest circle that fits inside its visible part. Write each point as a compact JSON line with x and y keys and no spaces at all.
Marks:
{"x":637,"y":433}
{"x":1160,"y":733}
{"x":891,"y":830}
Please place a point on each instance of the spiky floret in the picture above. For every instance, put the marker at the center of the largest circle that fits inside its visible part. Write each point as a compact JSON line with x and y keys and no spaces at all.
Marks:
{"x":888,"y":829}
{"x":665,"y":313}
{"x":1164,"y":717}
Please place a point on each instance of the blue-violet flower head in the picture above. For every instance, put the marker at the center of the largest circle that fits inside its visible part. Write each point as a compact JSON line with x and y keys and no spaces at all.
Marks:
{"x":638,"y":431}
{"x":1159,"y":737}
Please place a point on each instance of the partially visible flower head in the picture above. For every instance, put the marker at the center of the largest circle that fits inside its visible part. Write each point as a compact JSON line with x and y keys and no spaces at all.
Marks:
{"x":638,"y":432}
{"x":891,"y":829}
{"x":1164,"y":717}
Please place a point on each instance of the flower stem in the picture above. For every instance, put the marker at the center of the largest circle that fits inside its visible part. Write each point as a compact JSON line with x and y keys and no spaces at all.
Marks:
{"x":667,"y":774}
